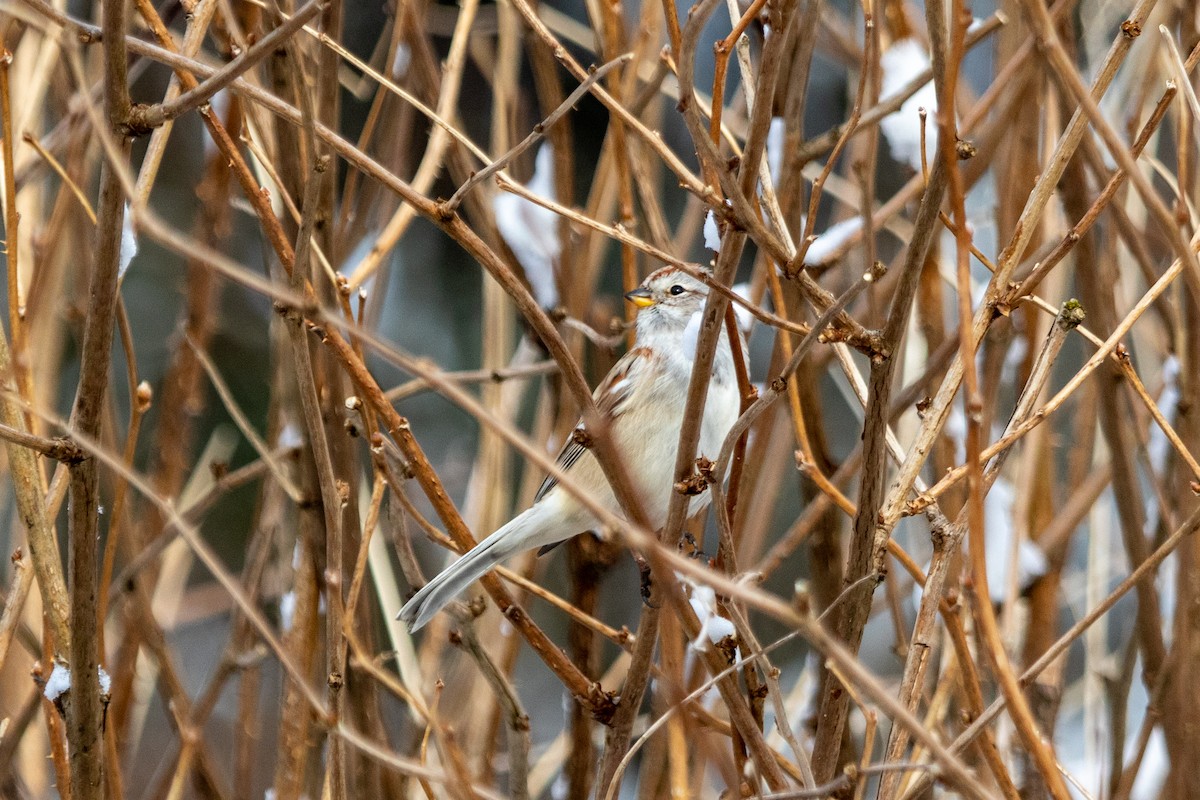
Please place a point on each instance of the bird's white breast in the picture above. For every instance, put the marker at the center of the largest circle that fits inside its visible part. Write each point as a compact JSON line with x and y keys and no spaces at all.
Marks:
{"x":651,"y":442}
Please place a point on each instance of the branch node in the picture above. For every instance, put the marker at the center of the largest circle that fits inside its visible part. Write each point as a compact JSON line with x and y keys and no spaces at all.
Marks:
{"x":692,"y":485}
{"x":66,"y":451}
{"x":581,"y":437}
{"x":601,"y":703}
{"x":141,"y":121}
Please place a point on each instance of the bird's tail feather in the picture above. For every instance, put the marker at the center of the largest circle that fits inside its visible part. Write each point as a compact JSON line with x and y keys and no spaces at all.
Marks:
{"x":519,"y":534}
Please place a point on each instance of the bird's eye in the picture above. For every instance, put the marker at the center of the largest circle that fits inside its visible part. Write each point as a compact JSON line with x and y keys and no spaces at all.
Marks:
{"x":676,"y":289}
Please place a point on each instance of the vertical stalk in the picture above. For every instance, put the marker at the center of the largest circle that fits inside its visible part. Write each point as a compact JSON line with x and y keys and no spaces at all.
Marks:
{"x":84,"y":711}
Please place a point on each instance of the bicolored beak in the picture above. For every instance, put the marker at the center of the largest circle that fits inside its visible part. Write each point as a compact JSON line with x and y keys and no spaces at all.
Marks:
{"x":640,"y":297}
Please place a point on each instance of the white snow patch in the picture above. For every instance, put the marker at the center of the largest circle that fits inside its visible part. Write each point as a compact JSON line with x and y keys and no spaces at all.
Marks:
{"x":59,"y":682}
{"x":713,"y":627}
{"x":287,"y":611}
{"x":901,"y":63}
{"x":401,"y":61}
{"x":220,"y":106}
{"x":823,"y":248}
{"x":290,"y":437}
{"x":129,"y":244}
{"x":745,"y":320}
{"x":712,"y":233}
{"x":531,"y":231}
{"x":775,"y":149}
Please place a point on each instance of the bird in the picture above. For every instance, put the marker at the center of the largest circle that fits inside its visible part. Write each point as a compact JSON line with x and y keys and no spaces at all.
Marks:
{"x":643,"y":398}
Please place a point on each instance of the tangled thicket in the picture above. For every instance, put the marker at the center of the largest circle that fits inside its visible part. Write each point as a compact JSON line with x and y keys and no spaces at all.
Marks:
{"x":303,"y":297}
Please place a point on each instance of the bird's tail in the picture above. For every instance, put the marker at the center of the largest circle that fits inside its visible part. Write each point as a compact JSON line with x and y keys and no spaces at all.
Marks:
{"x":525,"y":531}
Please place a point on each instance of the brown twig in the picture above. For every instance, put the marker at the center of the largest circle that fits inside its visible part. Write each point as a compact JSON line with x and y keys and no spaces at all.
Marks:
{"x":539,"y":131}
{"x":147,"y":118}
{"x":516,"y":718}
{"x":825,"y":142}
{"x":60,"y":449}
{"x":22,"y":582}
{"x":85,"y":710}
{"x":1045,"y":265}
{"x":867,"y":545}
{"x":580,"y":687}
{"x":1146,"y":568}
{"x":12,"y":216}
{"x":939,"y":409}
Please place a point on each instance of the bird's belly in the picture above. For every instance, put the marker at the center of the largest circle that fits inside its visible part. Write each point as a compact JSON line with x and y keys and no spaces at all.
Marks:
{"x":720,"y":413}
{"x":649,"y":450}
{"x":651,"y":463}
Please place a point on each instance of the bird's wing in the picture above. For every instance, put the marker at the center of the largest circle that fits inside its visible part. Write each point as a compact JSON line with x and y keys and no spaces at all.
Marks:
{"x":611,"y":396}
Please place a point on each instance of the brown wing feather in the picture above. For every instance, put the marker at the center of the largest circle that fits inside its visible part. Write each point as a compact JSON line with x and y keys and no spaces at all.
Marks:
{"x":610,"y":395}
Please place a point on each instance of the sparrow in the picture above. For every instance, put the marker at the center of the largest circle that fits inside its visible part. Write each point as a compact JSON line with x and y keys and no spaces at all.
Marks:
{"x":643,"y":399}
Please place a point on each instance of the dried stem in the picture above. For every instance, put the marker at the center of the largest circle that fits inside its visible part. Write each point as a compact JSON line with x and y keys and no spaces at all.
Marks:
{"x":149,"y":117}
{"x":867,"y":546}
